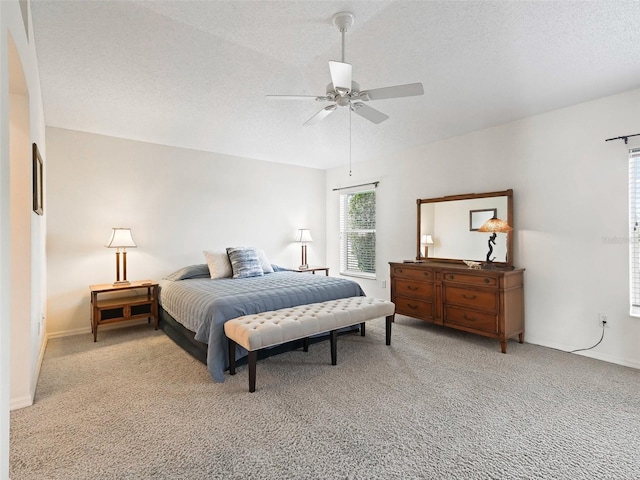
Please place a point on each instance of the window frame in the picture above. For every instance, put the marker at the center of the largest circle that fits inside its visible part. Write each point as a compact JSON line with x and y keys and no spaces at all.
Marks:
{"x":343,"y":231}
{"x":634,"y":231}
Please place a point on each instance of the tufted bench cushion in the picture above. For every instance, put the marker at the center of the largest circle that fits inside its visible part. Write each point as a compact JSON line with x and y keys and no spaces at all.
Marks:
{"x":267,"y":329}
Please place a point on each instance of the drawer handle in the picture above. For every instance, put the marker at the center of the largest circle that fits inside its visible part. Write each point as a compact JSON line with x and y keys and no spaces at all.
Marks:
{"x":410,"y":305}
{"x":398,"y":270}
{"x":426,"y":274}
{"x":470,"y":319}
{"x":451,"y":277}
{"x":412,"y":288}
{"x":486,"y":280}
{"x":469,"y":297}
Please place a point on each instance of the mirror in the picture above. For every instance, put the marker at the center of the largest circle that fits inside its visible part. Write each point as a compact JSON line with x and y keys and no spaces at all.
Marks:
{"x":448,"y":228}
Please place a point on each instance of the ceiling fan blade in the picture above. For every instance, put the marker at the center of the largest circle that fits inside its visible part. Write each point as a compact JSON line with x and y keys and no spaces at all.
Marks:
{"x":321,"y":115}
{"x":341,"y":76}
{"x":297,"y":97}
{"x":369,"y":113}
{"x":409,"y":90}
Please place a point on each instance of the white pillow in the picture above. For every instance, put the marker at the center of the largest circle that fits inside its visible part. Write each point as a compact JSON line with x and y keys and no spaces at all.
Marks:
{"x":219,"y":264}
{"x":264,"y":261}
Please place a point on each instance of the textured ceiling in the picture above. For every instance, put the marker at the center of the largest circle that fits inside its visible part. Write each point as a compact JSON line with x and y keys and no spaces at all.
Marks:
{"x":195,"y":74}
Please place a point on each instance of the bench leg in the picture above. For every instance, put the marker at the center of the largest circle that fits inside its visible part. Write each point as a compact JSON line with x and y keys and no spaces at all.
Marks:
{"x":253,"y":356}
{"x":305,"y":344}
{"x":232,"y":357}
{"x":362,"y":329}
{"x":389,"y":320}
{"x":334,"y":350}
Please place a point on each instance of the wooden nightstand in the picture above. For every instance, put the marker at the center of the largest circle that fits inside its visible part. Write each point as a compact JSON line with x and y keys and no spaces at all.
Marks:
{"x":313,"y":270}
{"x":118,"y":308}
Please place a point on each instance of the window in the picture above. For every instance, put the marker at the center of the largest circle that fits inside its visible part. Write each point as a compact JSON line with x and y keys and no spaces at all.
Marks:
{"x":634,"y":230}
{"x":358,"y":233}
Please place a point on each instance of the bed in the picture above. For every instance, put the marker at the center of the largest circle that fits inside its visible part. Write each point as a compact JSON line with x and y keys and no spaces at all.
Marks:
{"x":195,"y":306}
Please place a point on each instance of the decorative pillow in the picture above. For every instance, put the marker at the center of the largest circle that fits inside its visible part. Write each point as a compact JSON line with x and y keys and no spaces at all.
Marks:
{"x":264,"y":261}
{"x":245,"y":262}
{"x":192,"y":271}
{"x":218,"y":263}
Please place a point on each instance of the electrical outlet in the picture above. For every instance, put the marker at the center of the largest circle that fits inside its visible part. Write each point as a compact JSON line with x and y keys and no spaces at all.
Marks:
{"x":383,"y":283}
{"x":603,"y":320}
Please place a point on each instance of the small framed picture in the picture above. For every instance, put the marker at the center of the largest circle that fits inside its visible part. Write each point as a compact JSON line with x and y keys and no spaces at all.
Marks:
{"x":477,"y":218}
{"x":38,"y":182}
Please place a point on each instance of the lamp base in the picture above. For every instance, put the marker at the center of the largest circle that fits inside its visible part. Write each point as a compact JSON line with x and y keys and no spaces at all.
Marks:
{"x":303,"y":267}
{"x":121,"y":282}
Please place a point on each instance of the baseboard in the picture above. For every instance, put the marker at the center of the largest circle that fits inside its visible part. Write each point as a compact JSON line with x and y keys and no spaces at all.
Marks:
{"x":68,"y":333}
{"x":27,"y":400}
{"x":21,"y":402}
{"x":43,"y":348}
{"x":87,"y":330}
{"x":587,"y":353}
{"x":610,"y":359}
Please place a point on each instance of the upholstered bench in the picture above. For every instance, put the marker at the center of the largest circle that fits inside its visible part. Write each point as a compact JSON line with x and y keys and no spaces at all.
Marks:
{"x":267,"y":329}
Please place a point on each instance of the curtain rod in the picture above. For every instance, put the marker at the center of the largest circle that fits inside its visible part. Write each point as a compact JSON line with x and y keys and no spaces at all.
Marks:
{"x":361,"y":185}
{"x":623,"y":137}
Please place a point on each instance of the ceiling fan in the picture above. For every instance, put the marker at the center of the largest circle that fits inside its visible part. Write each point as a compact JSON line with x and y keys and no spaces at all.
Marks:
{"x":344,"y":92}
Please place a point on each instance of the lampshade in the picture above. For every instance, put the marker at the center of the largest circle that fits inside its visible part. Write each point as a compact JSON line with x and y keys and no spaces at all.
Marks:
{"x":304,"y":235}
{"x":121,"y":238}
{"x":495,"y":225}
{"x":427,"y":239}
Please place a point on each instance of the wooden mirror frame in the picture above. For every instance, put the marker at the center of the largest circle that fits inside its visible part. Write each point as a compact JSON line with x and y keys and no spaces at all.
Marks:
{"x":469,"y":196}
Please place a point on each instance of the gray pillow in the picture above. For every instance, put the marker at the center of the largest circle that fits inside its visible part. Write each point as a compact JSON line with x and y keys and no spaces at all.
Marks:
{"x":192,"y":271}
{"x":245,"y":262}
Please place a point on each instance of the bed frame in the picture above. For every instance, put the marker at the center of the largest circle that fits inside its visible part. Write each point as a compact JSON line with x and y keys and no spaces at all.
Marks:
{"x":184,"y":338}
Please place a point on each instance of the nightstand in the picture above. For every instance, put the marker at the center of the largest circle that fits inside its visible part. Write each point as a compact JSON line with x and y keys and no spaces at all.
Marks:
{"x":313,"y":270}
{"x":114,"y":308}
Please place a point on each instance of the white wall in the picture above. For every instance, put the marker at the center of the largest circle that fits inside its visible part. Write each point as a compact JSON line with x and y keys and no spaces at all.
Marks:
{"x":13,"y":356}
{"x":177,"y":202}
{"x":570,"y":198}
{"x":21,"y":206}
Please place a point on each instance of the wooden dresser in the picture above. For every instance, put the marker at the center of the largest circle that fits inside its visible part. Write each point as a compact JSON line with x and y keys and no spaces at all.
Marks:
{"x":486,"y":302}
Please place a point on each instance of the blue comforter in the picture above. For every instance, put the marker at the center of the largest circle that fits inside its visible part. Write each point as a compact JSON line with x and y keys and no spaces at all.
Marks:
{"x":203,"y":305}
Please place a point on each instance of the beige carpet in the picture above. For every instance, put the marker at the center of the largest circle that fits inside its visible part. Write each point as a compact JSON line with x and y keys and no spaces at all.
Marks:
{"x":435,"y":404}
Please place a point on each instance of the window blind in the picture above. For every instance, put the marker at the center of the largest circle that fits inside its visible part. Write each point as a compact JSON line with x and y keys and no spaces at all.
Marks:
{"x":634,"y":230}
{"x":358,"y":233}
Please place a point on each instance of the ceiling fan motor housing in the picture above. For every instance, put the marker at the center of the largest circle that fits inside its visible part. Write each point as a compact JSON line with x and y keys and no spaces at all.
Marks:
{"x":343,"y":20}
{"x":343,"y":99}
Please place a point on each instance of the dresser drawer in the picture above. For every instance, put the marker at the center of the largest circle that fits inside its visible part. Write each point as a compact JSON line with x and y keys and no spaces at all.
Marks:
{"x":471,"y":279}
{"x":471,"y":319}
{"x":408,"y":272}
{"x":479,"y":299}
{"x":414,"y":308}
{"x":412,"y":288}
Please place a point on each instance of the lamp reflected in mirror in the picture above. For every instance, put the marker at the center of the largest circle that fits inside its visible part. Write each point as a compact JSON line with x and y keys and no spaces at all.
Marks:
{"x":494,"y":226}
{"x":426,"y":241}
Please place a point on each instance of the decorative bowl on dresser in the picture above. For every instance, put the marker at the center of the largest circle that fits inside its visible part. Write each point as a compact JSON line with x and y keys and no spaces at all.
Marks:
{"x":485,"y":302}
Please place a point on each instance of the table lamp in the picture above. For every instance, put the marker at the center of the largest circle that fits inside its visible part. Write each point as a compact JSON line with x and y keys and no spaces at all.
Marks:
{"x":121,"y":239}
{"x":303,"y":236}
{"x":495,"y":226}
